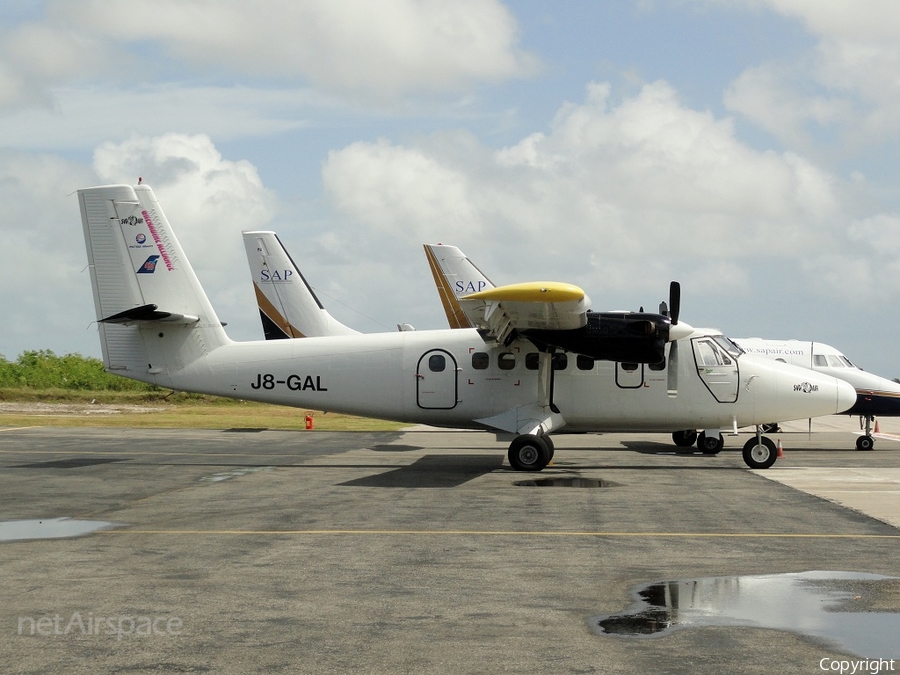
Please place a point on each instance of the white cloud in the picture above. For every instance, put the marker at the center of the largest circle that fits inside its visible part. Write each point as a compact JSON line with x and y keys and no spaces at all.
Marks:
{"x":844,"y":91}
{"x":364,"y":51}
{"x":44,"y":286}
{"x":857,"y":19}
{"x":616,"y":196}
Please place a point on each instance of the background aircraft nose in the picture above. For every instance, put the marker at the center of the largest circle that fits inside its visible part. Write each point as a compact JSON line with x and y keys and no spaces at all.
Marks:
{"x":846,"y":396}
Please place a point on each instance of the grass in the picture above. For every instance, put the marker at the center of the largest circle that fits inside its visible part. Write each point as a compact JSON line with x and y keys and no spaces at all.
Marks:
{"x":67,"y":408}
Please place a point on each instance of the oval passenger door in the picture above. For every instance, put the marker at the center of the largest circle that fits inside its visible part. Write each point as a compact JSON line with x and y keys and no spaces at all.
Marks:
{"x":436,"y":373}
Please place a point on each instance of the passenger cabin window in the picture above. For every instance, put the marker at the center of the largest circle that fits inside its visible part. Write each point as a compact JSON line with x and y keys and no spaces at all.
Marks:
{"x":659,"y":365}
{"x":506,"y":361}
{"x":437,"y":363}
{"x":480,"y":360}
{"x":533,"y":361}
{"x":584,"y":362}
{"x":820,"y":361}
{"x":629,"y":367}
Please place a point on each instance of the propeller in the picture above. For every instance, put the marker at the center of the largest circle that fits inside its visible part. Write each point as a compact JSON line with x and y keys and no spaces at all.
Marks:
{"x":675,"y":301}
{"x":676,"y":331}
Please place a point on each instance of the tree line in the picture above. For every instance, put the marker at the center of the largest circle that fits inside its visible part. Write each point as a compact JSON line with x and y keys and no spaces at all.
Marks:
{"x":42,"y":369}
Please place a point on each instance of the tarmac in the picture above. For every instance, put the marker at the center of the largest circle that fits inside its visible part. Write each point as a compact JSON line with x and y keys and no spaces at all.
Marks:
{"x":226,"y":551}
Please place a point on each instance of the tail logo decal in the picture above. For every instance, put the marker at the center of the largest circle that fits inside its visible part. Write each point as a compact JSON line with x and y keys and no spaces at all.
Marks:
{"x":149,"y":266}
{"x":159,"y":243}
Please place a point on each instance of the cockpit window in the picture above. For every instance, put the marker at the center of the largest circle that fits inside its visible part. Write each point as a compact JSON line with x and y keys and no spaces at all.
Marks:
{"x":835,"y":362}
{"x":709,"y":355}
{"x":820,"y":361}
{"x":849,"y":363}
{"x":728,"y":345}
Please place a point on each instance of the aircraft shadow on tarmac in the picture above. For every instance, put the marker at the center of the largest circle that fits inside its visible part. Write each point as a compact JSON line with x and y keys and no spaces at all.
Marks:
{"x":71,"y":463}
{"x":396,"y":448}
{"x":433,"y":471}
{"x":659,"y":448}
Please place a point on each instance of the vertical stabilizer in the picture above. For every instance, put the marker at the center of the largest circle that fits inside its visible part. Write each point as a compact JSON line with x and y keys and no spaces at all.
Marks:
{"x":454,"y":276}
{"x":288,"y":307}
{"x":154,"y":317}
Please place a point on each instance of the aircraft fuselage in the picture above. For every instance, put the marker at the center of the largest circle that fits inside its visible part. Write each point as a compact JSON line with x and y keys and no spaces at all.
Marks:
{"x":453,"y":378}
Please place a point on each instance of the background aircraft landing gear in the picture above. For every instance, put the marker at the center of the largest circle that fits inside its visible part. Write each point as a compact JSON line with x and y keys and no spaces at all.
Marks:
{"x":710,"y":445}
{"x":529,"y":452}
{"x":760,"y":452}
{"x":684,"y":439}
{"x":866,"y":442}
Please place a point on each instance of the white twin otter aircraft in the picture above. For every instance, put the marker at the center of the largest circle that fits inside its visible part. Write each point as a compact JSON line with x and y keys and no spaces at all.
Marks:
{"x":157,"y":325}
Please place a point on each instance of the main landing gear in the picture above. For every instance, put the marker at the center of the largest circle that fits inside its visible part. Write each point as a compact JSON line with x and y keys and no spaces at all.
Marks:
{"x":530,"y":452}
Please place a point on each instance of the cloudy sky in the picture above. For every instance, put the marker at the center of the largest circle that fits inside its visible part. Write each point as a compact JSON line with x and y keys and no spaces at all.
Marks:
{"x":747,"y":148}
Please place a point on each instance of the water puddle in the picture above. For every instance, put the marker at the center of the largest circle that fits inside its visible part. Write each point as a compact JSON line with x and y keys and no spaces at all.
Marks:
{"x":853,"y":611}
{"x":566,"y":482}
{"x":50,"y":528}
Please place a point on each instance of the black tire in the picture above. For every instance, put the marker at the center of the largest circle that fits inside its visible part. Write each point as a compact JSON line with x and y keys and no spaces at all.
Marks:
{"x":529,"y":453}
{"x":549,"y":442}
{"x":865,"y":443}
{"x":684,"y":439}
{"x":760,"y":455}
{"x":710,"y":445}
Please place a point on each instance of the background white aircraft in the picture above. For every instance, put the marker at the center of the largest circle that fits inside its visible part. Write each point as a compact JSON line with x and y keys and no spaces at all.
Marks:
{"x":563,"y":324}
{"x":455,"y":275}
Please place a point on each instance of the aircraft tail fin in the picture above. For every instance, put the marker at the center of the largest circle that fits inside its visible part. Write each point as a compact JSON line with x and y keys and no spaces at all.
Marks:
{"x":454,"y":275}
{"x":154,"y":316}
{"x":288,"y":307}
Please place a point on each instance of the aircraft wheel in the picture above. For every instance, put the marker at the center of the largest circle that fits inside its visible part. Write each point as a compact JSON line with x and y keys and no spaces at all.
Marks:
{"x":710,"y":445}
{"x":684,"y":439}
{"x":549,"y":442}
{"x":865,"y":443}
{"x":529,"y":453}
{"x":760,"y":455}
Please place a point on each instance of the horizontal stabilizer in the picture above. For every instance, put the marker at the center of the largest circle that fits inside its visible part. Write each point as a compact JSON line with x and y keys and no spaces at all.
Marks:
{"x":146,"y":313}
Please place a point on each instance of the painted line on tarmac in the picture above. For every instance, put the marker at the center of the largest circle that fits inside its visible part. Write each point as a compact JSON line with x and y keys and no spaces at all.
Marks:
{"x":506,"y":533}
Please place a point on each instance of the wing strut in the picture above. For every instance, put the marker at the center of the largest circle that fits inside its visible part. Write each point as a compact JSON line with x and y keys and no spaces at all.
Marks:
{"x":547,"y":378}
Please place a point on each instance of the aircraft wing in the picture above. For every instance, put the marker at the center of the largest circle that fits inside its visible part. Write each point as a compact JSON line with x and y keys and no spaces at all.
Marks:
{"x":500,"y":311}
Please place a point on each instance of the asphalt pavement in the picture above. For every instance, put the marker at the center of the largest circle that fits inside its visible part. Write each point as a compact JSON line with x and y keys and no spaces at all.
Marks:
{"x":420,"y":551}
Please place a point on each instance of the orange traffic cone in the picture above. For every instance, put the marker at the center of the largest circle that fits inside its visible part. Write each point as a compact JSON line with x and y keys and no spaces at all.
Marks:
{"x":780,"y":453}
{"x":877,"y":430}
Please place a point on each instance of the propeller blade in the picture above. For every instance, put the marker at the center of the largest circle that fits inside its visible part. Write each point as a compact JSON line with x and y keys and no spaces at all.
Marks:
{"x":664,"y":308}
{"x":672,"y":375}
{"x":674,"y":301}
